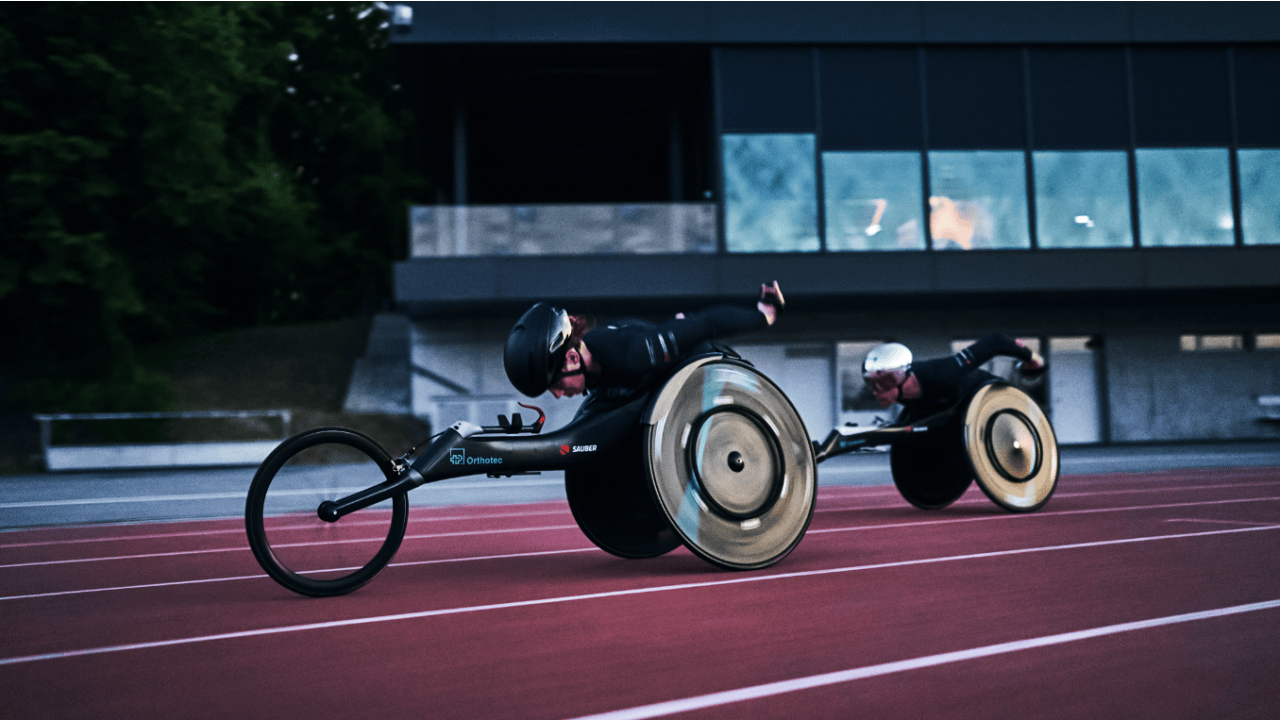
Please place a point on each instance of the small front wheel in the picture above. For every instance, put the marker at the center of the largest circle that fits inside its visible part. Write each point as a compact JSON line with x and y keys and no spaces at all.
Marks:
{"x":297,"y":548}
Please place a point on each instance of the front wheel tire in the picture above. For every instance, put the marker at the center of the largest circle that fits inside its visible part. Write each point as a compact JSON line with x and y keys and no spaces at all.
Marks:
{"x":289,"y":540}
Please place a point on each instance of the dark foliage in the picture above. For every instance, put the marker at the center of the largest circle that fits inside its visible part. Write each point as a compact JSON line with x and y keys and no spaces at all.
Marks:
{"x":170,"y":169}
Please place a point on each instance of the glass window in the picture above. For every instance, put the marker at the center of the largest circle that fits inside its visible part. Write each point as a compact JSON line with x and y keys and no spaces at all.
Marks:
{"x":978,"y":200}
{"x":873,"y":200}
{"x":1184,"y":197}
{"x":1266,"y":341}
{"x":770,"y":193}
{"x":1260,"y":196}
{"x":1082,"y":199}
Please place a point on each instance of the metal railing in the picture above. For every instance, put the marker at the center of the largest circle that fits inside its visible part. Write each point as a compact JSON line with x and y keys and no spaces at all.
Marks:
{"x":157,"y":454}
{"x":499,"y":230}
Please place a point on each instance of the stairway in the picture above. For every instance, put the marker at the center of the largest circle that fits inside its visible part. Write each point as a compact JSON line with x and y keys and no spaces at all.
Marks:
{"x":380,"y":380}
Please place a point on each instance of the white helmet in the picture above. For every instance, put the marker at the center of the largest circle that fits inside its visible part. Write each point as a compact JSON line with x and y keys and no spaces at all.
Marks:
{"x":888,"y":357}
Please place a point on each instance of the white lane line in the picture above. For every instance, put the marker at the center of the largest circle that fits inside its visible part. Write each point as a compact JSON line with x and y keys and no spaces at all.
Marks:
{"x":1216,"y":522}
{"x":1014,"y":516}
{"x":855,"y":528}
{"x":982,"y":499}
{"x":610,"y":594}
{"x":487,"y":516}
{"x":240,"y":530}
{"x":815,"y":681}
{"x":263,"y":576}
{"x":246,"y":547}
{"x":241,"y":495}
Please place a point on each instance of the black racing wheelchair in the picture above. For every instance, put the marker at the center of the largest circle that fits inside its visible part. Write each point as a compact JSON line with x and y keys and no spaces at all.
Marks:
{"x":997,"y":435}
{"x":715,"y":458}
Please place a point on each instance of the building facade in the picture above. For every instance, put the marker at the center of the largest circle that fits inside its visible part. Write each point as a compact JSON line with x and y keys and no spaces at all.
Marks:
{"x":1102,"y":179}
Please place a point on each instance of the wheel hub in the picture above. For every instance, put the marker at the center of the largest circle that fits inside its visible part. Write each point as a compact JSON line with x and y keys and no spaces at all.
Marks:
{"x":1013,"y":446}
{"x":735,"y":463}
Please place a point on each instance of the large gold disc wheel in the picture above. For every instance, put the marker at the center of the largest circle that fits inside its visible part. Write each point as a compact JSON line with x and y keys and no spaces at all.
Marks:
{"x":731,"y":464}
{"x":1011,"y":447}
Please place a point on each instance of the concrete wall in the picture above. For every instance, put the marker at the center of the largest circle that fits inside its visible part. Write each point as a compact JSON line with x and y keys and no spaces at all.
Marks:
{"x":1158,"y":392}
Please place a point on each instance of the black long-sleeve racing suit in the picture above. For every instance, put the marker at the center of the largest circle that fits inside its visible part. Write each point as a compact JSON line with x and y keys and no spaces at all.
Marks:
{"x":944,"y":381}
{"x":631,"y":355}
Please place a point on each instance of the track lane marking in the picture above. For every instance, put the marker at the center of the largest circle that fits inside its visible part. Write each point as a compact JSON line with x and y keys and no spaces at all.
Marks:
{"x":175,"y":553}
{"x":855,"y":528}
{"x":602,"y":595}
{"x":264,"y":576}
{"x":1013,"y":516}
{"x":755,"y":692}
{"x":241,"y":495}
{"x":1216,"y":522}
{"x":982,"y":499}
{"x":240,"y":530}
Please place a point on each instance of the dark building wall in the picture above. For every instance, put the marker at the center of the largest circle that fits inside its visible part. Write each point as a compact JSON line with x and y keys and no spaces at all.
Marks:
{"x":915,"y":77}
{"x":841,"y":22}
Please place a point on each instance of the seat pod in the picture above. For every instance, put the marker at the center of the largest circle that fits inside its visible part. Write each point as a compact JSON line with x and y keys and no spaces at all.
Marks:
{"x":730,"y":463}
{"x":611,"y":500}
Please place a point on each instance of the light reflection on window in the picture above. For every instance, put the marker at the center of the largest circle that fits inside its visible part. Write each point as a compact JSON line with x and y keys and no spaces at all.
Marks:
{"x":770,"y":193}
{"x":1184,"y":197}
{"x":978,"y":200}
{"x":872,"y":200}
{"x":1082,"y":199}
{"x":1195,"y":343}
{"x":1260,"y":196}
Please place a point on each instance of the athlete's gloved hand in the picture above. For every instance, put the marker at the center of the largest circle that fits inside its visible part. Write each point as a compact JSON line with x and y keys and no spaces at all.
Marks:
{"x":771,"y":301}
{"x":1033,"y":367}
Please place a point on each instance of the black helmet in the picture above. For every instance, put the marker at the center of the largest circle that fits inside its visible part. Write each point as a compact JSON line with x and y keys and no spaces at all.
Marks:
{"x":536,"y":348}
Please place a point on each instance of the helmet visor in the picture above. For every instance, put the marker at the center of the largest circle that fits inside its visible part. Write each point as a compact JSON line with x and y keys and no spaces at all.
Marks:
{"x":558,"y":345}
{"x":885,"y":380}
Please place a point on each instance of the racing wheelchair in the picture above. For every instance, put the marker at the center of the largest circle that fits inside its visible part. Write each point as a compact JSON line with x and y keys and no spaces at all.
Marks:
{"x":996,"y":434}
{"x":715,"y":458}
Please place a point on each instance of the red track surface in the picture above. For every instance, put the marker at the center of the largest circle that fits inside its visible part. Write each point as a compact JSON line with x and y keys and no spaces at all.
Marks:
{"x":508,"y":612}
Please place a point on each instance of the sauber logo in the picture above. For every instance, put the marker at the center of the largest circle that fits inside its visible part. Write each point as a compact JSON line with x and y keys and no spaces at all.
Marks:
{"x":565,"y":449}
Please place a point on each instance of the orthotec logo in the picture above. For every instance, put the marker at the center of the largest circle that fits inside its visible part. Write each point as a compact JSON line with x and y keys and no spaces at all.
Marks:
{"x":458,"y":456}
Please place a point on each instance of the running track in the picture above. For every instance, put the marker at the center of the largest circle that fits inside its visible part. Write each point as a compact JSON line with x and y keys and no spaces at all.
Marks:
{"x":1152,"y":595}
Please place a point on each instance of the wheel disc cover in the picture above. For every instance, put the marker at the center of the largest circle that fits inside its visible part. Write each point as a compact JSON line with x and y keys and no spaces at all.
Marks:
{"x":1011,"y":447}
{"x":735,"y":463}
{"x":731,"y":464}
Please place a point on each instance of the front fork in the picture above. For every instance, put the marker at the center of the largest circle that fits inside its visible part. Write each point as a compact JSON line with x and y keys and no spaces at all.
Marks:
{"x":846,"y":440}
{"x":408,"y":476}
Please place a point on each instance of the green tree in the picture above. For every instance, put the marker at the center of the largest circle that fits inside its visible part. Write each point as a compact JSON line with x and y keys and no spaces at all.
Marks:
{"x":152,"y":182}
{"x":344,"y":132}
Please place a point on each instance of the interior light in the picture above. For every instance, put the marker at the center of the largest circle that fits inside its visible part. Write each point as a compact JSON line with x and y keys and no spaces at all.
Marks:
{"x":1226,"y":222}
{"x":1084,"y":220}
